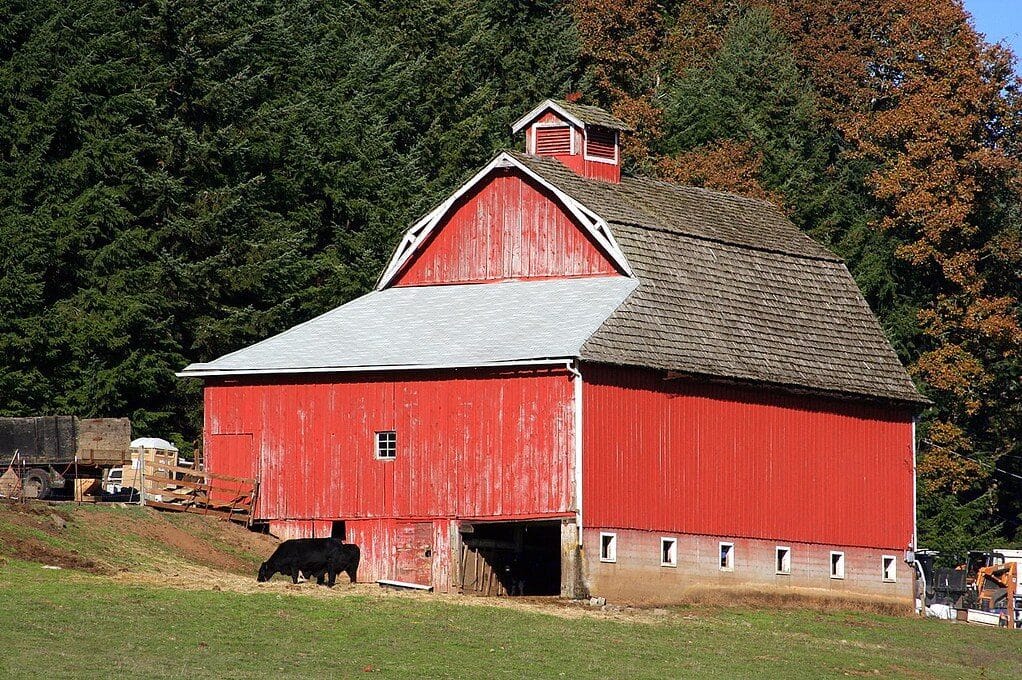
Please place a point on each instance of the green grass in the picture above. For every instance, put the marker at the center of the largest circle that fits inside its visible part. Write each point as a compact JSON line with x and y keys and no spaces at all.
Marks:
{"x":69,"y":624}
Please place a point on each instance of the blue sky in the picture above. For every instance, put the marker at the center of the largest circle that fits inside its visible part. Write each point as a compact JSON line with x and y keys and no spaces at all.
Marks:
{"x":999,"y":19}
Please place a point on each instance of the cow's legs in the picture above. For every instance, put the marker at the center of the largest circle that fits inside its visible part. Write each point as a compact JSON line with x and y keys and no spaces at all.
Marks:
{"x":294,"y":574}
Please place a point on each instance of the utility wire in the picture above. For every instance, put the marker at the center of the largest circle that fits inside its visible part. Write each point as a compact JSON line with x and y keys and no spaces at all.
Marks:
{"x":990,"y":466}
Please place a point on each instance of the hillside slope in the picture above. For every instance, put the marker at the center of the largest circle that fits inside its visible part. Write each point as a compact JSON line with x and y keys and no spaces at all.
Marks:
{"x":161,"y":595}
{"x":111,"y":540}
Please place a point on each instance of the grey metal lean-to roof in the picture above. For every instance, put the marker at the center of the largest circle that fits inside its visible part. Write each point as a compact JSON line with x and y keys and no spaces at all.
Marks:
{"x":438,"y":326}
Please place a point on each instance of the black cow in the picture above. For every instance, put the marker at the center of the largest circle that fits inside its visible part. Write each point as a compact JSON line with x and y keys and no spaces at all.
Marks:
{"x":313,"y":557}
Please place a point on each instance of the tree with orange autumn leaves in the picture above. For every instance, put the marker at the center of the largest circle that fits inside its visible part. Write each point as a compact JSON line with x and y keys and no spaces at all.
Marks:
{"x":918,"y":185}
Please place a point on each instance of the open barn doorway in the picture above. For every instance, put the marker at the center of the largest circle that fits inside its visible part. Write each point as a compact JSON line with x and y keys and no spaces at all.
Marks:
{"x":511,"y":558}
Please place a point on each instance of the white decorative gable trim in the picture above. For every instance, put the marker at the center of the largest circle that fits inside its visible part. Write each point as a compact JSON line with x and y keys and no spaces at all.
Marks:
{"x":419,"y":232}
{"x":550,"y":104}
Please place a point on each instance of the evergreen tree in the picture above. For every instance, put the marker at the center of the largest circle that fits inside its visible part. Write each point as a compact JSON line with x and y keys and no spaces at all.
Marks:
{"x":179,"y":179}
{"x":746,"y":120}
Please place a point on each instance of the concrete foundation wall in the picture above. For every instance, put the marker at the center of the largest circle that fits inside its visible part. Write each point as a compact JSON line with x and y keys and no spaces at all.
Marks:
{"x":638,"y":577}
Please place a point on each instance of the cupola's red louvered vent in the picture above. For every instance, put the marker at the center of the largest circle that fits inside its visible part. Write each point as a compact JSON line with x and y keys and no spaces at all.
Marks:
{"x":552,"y":141}
{"x":601,"y":143}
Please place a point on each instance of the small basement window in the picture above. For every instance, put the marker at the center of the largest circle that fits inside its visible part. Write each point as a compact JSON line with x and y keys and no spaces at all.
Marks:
{"x":727,"y":556}
{"x":782,"y":562}
{"x":386,"y":445}
{"x":608,"y":547}
{"x":889,"y":568}
{"x":668,"y":552}
{"x":837,"y":564}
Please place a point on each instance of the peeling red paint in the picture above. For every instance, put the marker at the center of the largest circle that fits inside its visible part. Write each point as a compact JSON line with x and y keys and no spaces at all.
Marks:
{"x":510,"y":227}
{"x":471,"y":444}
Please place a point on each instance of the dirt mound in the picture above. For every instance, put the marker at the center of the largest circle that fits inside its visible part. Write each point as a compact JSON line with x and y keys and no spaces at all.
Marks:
{"x":112,"y":539}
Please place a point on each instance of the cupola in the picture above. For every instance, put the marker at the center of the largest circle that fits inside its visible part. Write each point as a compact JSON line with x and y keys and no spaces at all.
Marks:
{"x":587,"y":139}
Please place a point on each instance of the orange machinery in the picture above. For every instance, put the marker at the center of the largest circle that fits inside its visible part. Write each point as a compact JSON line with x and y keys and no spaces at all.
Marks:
{"x":995,"y":584}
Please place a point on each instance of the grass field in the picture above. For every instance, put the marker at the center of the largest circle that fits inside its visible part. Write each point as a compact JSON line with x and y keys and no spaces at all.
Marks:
{"x":121,"y":622}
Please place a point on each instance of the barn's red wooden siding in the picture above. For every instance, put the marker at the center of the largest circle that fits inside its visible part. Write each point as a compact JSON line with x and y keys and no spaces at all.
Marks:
{"x":471,"y":444}
{"x":508,"y":228}
{"x":608,"y":172}
{"x":679,"y":456}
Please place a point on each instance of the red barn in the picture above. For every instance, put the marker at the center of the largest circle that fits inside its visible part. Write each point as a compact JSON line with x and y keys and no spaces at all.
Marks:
{"x":573,"y":381}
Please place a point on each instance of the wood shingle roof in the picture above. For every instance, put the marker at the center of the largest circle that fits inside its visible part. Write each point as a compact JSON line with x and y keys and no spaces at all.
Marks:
{"x":730,"y":288}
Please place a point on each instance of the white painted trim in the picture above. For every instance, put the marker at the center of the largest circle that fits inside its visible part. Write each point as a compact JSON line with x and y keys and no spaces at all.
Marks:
{"x":834,"y":574}
{"x":731,"y":556}
{"x":522,"y":122}
{"x":387,"y":583}
{"x":777,"y":549}
{"x":915,"y":509}
{"x":216,"y":372}
{"x":420,"y":231}
{"x":571,"y":136}
{"x":576,"y":374}
{"x":674,"y":541}
{"x":376,"y":445}
{"x":612,"y":553}
{"x":597,"y":159}
{"x":894,"y":566}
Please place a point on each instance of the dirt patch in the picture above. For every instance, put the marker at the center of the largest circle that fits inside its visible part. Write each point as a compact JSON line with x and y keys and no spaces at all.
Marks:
{"x":36,"y":551}
{"x":156,"y":528}
{"x":41,"y":516}
{"x":186,"y":577}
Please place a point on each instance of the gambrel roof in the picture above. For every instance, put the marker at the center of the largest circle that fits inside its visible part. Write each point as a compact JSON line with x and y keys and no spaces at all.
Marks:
{"x":730,"y":288}
{"x":716,"y":285}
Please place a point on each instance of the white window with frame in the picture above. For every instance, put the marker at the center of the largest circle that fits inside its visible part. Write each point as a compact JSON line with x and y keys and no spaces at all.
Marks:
{"x":608,"y":547}
{"x":837,"y":564}
{"x":668,"y":551}
{"x":727,"y":556}
{"x":386,"y":445}
{"x":889,"y":568}
{"x":782,"y":560}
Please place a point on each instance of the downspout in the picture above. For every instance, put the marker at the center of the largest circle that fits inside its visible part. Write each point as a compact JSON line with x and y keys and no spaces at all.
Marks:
{"x":915,"y":509}
{"x":920,"y":603}
{"x":576,"y":377}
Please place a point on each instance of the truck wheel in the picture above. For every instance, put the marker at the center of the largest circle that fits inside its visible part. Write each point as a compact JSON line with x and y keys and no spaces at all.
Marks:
{"x":37,"y":484}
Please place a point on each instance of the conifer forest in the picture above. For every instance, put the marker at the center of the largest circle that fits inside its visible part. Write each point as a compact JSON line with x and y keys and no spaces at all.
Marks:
{"x":181,"y":179}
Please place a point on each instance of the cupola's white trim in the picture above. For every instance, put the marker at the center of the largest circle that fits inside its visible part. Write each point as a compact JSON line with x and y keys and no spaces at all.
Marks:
{"x":550,"y":104}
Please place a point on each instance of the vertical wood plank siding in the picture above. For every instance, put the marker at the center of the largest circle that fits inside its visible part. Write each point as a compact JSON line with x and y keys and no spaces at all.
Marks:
{"x":471,"y":444}
{"x":508,"y":228}
{"x":677,"y":456}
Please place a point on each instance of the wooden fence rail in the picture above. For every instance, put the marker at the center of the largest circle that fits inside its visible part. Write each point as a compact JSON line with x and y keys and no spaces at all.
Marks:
{"x":172,"y":487}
